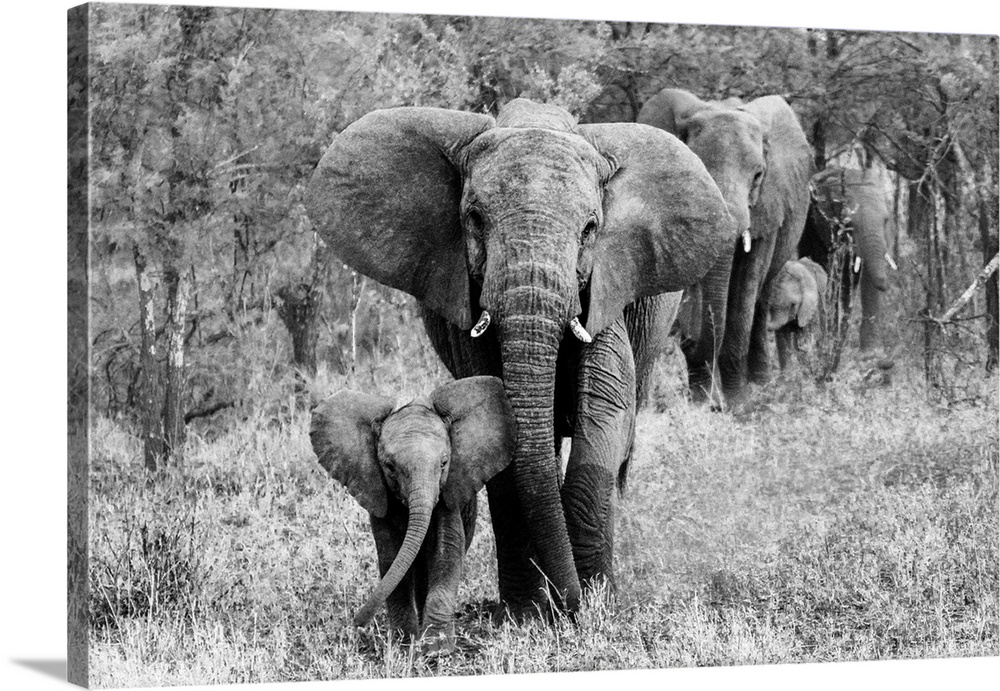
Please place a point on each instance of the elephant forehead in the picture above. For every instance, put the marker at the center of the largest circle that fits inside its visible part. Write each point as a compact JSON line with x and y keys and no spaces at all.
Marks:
{"x":731,"y":131}
{"x":517,"y":164}
{"x":414,"y":427}
{"x":524,"y":113}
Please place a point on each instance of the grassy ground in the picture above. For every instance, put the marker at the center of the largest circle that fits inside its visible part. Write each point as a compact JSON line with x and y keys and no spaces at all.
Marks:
{"x":844,"y":522}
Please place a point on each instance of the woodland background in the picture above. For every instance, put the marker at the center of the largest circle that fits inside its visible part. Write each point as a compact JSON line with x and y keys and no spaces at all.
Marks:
{"x":208,"y":122}
{"x":215,"y":315}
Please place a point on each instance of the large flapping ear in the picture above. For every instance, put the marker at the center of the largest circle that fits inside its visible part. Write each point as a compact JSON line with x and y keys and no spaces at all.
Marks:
{"x":345,"y":438}
{"x":665,"y":221}
{"x":483,"y":433}
{"x":385,"y":197}
{"x":671,"y":110}
{"x":783,"y":198}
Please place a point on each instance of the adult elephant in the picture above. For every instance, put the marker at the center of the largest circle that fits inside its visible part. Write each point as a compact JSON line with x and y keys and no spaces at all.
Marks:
{"x":851,"y":203}
{"x":759,"y":157}
{"x":542,"y":228}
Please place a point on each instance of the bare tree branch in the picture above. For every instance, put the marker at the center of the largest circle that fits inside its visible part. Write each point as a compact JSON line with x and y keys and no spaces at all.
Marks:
{"x":981,"y":279}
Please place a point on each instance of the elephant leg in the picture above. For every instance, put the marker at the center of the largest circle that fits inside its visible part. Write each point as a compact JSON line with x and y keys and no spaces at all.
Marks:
{"x":445,"y":551}
{"x":784,"y":342}
{"x":604,"y":429}
{"x":522,"y":588}
{"x":401,"y":605}
{"x":749,"y":271}
{"x":758,"y":358}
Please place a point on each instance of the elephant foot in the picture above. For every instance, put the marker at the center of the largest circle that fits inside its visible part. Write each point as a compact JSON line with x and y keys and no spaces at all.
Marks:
{"x":521,"y":611}
{"x":759,"y":376}
{"x":438,"y":642}
{"x":737,"y":398}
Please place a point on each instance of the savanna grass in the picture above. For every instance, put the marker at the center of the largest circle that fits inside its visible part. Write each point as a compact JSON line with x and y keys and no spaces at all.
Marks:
{"x":838,"y":522}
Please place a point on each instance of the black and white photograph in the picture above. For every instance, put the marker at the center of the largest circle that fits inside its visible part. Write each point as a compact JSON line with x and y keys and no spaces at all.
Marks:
{"x":457,"y":343}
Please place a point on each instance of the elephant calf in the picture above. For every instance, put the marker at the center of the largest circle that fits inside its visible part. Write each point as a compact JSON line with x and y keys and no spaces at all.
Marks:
{"x":796,"y":301}
{"x":416,"y":469}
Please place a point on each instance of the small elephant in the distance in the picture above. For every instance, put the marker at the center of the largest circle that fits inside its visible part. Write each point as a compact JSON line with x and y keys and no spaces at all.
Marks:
{"x":416,"y":469}
{"x":796,"y":302}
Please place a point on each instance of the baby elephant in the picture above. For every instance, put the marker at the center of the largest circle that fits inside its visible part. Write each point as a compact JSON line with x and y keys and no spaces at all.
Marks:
{"x":416,"y":469}
{"x":796,"y":299}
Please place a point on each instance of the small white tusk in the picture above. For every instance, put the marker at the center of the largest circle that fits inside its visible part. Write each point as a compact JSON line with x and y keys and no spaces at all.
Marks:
{"x":481,"y":325}
{"x":857,"y":264}
{"x":577,"y":328}
{"x":891,"y":263}
{"x":746,"y":240}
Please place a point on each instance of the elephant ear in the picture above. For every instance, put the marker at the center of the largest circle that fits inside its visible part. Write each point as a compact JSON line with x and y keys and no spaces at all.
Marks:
{"x":345,"y":438}
{"x":783,"y":197}
{"x":385,"y":198}
{"x":818,"y":273}
{"x":483,"y":433}
{"x":665,"y":221}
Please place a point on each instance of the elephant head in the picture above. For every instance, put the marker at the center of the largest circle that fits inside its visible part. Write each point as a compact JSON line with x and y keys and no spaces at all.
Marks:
{"x":795,"y":298}
{"x":759,"y":157}
{"x":441,"y":447}
{"x":531,"y":223}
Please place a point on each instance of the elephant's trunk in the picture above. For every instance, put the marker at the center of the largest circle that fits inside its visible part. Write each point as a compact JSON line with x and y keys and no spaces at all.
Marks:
{"x":532,"y":326}
{"x":421,"y":506}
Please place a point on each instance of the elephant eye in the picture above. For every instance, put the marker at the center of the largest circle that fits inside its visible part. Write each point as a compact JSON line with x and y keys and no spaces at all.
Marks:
{"x":474,"y":220}
{"x":755,"y":186}
{"x":589,"y":228}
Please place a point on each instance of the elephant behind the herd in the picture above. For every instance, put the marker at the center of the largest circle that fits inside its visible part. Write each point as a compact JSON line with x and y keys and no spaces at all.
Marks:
{"x":760,"y":159}
{"x":852,"y":202}
{"x":542,"y":228}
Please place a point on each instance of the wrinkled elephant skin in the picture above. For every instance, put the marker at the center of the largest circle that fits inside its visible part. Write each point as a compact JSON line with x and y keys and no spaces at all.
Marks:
{"x":552,"y":228}
{"x":760,"y":159}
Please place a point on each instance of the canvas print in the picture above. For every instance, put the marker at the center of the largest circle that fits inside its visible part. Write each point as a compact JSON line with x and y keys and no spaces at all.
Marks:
{"x":408,"y":345}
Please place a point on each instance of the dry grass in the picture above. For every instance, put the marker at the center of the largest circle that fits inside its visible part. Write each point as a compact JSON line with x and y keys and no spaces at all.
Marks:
{"x":839,"y":523}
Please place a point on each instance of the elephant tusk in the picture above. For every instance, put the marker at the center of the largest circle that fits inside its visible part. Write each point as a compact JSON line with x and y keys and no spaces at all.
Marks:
{"x":891,"y":263}
{"x":857,"y":264}
{"x":577,"y":328}
{"x":746,"y":241}
{"x":481,"y":325}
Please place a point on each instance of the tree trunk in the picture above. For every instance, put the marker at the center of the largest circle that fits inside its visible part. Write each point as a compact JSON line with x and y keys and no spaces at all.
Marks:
{"x":175,"y":379}
{"x":357,"y":290}
{"x":921,"y":224}
{"x":149,"y":395}
{"x":991,"y":244}
{"x":299,"y":310}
